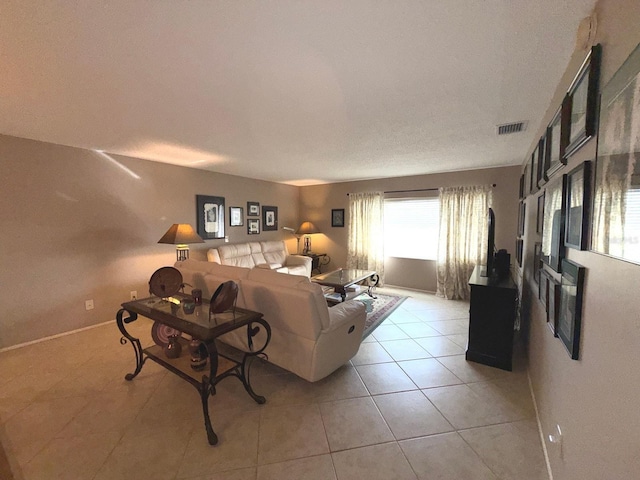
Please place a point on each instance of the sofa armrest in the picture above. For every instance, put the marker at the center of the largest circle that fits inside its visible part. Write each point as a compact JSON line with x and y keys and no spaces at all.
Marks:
{"x":346,"y":312}
{"x":299,"y":260}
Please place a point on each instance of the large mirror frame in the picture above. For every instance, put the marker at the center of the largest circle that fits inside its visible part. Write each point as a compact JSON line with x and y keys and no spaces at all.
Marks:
{"x":616,"y":193}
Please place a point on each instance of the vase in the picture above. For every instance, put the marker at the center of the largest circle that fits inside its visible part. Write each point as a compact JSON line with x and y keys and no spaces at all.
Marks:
{"x":173,"y":348}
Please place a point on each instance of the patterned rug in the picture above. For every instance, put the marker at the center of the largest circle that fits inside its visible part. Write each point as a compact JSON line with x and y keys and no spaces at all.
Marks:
{"x":378,"y":309}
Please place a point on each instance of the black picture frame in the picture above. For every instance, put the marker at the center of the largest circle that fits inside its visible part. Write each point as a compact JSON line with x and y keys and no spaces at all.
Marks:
{"x":527,"y":180}
{"x":537,"y":261}
{"x":519,"y":251}
{"x":253,"y":226}
{"x":269,"y":218}
{"x":521,"y":189}
{"x":553,"y":305}
{"x":540,"y":214}
{"x":582,"y":102}
{"x":521,"y":218}
{"x":553,"y":227}
{"x":557,"y":141}
{"x":253,"y":209}
{"x":337,"y":217}
{"x":534,"y":170}
{"x":614,"y":225}
{"x":236,"y":217}
{"x":543,"y":289}
{"x":542,"y":161}
{"x":570,"y":313}
{"x":210,"y":214}
{"x":578,"y":207}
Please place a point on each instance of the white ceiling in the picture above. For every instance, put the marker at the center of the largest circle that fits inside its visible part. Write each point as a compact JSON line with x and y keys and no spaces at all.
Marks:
{"x":300,"y":92}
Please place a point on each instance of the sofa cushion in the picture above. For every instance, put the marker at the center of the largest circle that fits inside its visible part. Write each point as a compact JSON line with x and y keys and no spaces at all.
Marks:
{"x":237,"y":255}
{"x":275,"y":251}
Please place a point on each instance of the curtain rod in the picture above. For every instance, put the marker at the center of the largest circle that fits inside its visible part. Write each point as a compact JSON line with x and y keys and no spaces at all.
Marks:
{"x":417,"y":190}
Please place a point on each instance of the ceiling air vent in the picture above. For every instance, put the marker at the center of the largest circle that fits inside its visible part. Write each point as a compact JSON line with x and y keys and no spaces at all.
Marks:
{"x":508,"y":128}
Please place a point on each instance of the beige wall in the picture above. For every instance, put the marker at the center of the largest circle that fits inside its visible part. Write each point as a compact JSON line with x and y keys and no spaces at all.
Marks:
{"x":76,"y":226}
{"x":594,"y":399}
{"x":317,"y":201}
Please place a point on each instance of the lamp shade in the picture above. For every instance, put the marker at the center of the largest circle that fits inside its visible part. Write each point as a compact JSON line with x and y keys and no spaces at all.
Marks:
{"x":180,"y":234}
{"x":307,"y":228}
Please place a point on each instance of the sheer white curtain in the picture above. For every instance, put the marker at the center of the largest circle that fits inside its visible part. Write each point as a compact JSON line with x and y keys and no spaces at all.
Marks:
{"x":463,"y":238}
{"x":366,"y":232}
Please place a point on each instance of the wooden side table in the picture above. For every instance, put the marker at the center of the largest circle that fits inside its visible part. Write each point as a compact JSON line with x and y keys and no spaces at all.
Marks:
{"x":318,"y":260}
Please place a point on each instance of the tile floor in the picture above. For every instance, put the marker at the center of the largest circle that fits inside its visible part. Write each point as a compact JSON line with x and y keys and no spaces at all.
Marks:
{"x":408,"y":406}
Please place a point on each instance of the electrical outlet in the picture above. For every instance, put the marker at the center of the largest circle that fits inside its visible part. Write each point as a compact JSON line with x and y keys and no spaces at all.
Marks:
{"x":88,"y":304}
{"x":226,"y":239}
{"x":134,"y":295}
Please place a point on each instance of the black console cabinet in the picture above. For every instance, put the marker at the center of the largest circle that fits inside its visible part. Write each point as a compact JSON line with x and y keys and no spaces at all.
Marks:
{"x":492,"y":314}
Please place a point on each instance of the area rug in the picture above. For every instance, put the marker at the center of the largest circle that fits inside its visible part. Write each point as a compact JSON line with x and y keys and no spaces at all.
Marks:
{"x":378,"y":309}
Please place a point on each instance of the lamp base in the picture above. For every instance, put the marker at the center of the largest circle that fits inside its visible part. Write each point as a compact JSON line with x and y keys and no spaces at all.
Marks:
{"x":182,"y":252}
{"x":307,"y":245}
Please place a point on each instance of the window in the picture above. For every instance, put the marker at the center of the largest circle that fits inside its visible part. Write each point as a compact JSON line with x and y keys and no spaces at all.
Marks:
{"x":411,"y":227}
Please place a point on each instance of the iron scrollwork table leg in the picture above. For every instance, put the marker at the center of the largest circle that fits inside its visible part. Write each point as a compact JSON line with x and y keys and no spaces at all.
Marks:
{"x":121,"y":320}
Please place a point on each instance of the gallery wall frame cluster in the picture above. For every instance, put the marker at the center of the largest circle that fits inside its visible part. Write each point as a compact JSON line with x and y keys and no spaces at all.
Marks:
{"x":563,"y":203}
{"x":210,"y":217}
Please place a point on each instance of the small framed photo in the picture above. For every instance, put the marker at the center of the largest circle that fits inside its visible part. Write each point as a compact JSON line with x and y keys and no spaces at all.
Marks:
{"x":542,"y":161}
{"x":337,"y":217}
{"x":557,"y":140}
{"x":553,"y":305}
{"x":553,"y":227}
{"x":253,"y":226}
{"x":269,"y":218}
{"x":540,"y":215}
{"x":534,"y":171}
{"x":519,"y":245}
{"x":253,"y":209}
{"x":521,"y":190}
{"x":570,"y":314}
{"x":578,"y":207}
{"x":537,"y":261}
{"x":521,"y":218}
{"x":527,"y":180}
{"x":582,"y":102}
{"x":236,"y":216}
{"x":210,"y":216}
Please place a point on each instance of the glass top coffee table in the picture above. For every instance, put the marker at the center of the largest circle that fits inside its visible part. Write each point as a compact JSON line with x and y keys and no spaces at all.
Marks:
{"x":343,"y":278}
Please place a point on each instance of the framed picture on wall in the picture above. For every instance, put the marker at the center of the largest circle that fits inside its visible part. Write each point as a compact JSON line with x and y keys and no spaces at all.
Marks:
{"x":521,"y":190}
{"x":578,"y":206}
{"x":534,"y":171}
{"x":253,"y":209}
{"x":570,"y":314}
{"x":553,"y":305}
{"x":269,"y":218}
{"x":582,"y":102}
{"x":337,"y":217}
{"x":210,"y":216}
{"x":542,"y":161}
{"x":615,"y":227}
{"x":521,"y":218}
{"x":553,"y":223}
{"x":253,"y":226}
{"x":236,"y":216}
{"x":540,"y":214}
{"x":557,"y":141}
{"x":537,"y":262}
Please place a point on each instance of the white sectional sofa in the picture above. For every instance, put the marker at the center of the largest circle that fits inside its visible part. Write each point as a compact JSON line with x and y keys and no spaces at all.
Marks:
{"x":272,"y":255}
{"x":307,"y":337}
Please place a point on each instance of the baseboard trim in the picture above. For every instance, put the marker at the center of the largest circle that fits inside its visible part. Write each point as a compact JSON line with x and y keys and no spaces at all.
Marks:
{"x":540,"y":432}
{"x":57,"y":335}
